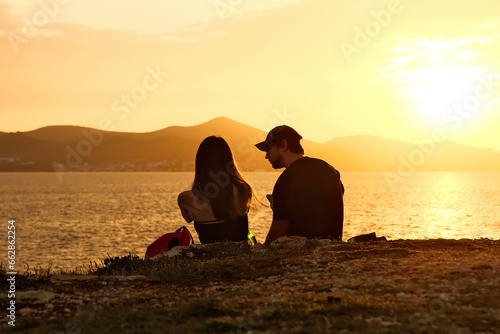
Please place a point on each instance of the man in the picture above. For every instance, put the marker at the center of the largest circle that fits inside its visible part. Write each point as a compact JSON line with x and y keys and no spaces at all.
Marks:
{"x":307,"y":199}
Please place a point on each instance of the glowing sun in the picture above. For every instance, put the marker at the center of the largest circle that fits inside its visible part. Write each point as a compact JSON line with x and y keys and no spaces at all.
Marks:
{"x":434,"y":90}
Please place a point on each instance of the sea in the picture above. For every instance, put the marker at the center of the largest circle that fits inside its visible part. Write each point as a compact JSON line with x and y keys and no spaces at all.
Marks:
{"x":72,"y":220}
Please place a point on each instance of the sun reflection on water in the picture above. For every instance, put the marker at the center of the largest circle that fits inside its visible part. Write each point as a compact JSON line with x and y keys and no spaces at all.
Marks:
{"x":427,"y":205}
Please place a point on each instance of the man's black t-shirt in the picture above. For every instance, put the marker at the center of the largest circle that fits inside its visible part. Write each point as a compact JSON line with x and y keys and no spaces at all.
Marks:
{"x":309,"y":194}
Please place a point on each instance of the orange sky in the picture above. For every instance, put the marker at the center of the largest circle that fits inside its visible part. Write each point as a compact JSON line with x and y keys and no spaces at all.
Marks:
{"x":397,"y":69}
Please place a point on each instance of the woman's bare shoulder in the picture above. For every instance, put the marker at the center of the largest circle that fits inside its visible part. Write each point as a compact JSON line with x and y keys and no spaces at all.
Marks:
{"x":186,"y":196}
{"x":187,"y":193}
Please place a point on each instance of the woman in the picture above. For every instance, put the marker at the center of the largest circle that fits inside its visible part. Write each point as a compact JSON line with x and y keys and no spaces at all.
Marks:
{"x":220,"y":198}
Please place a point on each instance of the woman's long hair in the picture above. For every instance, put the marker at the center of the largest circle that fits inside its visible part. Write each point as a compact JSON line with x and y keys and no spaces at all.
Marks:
{"x":215,"y":175}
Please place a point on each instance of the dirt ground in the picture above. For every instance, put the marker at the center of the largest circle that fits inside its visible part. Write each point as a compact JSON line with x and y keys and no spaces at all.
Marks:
{"x":402,"y":286}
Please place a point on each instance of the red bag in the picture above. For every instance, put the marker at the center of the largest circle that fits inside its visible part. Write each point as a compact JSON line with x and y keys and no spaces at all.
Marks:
{"x":181,"y":237}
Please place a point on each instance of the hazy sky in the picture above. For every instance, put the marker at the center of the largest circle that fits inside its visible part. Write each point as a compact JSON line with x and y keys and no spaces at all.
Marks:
{"x":397,"y":69}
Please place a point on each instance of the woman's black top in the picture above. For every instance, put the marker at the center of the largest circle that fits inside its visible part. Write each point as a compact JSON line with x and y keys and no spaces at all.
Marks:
{"x":219,"y":231}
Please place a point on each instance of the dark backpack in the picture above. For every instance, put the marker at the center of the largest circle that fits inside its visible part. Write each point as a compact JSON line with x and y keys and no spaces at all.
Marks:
{"x":181,"y":237}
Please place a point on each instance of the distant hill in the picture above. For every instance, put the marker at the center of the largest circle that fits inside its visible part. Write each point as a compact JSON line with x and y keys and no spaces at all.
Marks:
{"x":170,"y":149}
{"x":174,"y":149}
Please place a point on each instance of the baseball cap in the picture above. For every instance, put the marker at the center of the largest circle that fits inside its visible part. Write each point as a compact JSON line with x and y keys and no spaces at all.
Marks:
{"x":277,"y":134}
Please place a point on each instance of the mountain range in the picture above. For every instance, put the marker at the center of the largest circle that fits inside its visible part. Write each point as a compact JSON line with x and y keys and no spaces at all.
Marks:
{"x":74,"y":148}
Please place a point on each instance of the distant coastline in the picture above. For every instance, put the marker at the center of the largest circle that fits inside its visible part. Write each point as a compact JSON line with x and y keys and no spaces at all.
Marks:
{"x":73,"y":148}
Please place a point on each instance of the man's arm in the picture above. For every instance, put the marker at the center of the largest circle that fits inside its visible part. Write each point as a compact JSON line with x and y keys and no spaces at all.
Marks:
{"x":279,"y":228}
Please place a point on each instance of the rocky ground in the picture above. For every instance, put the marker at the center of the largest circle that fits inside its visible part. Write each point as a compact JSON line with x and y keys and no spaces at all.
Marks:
{"x":297,"y":286}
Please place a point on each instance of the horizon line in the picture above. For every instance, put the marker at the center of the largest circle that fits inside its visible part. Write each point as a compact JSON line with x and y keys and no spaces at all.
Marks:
{"x":232,"y":120}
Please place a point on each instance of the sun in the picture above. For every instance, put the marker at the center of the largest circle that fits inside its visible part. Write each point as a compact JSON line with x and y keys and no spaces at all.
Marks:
{"x":434,"y":90}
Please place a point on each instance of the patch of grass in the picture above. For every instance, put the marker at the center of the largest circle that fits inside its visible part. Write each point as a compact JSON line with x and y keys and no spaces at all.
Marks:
{"x":331,"y":324}
{"x":124,"y":320}
{"x":207,"y":307}
{"x":223,"y":262}
{"x":30,"y":277}
{"x":126,"y":264}
{"x":217,"y":325}
{"x":38,"y":274}
{"x":480,"y":292}
{"x":479,"y":323}
{"x":26,"y":326}
{"x":295,"y":307}
{"x":219,"y":250}
{"x":298,"y":313}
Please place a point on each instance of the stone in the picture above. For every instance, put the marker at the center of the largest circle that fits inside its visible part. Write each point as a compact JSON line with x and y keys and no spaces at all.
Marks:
{"x":176,"y":251}
{"x":180,"y":250}
{"x":124,"y":278}
{"x":64,"y":277}
{"x":197,"y":246}
{"x":461,"y":269}
{"x":36,"y":295}
{"x":332,"y":247}
{"x":27,"y":311}
{"x":293,"y":242}
{"x":326,"y":242}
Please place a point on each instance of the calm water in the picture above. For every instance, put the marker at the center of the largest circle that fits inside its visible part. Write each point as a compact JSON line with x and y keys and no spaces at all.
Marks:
{"x":91,"y":215}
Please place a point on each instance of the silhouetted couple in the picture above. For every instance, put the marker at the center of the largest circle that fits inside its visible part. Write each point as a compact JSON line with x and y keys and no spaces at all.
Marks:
{"x":307,"y":199}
